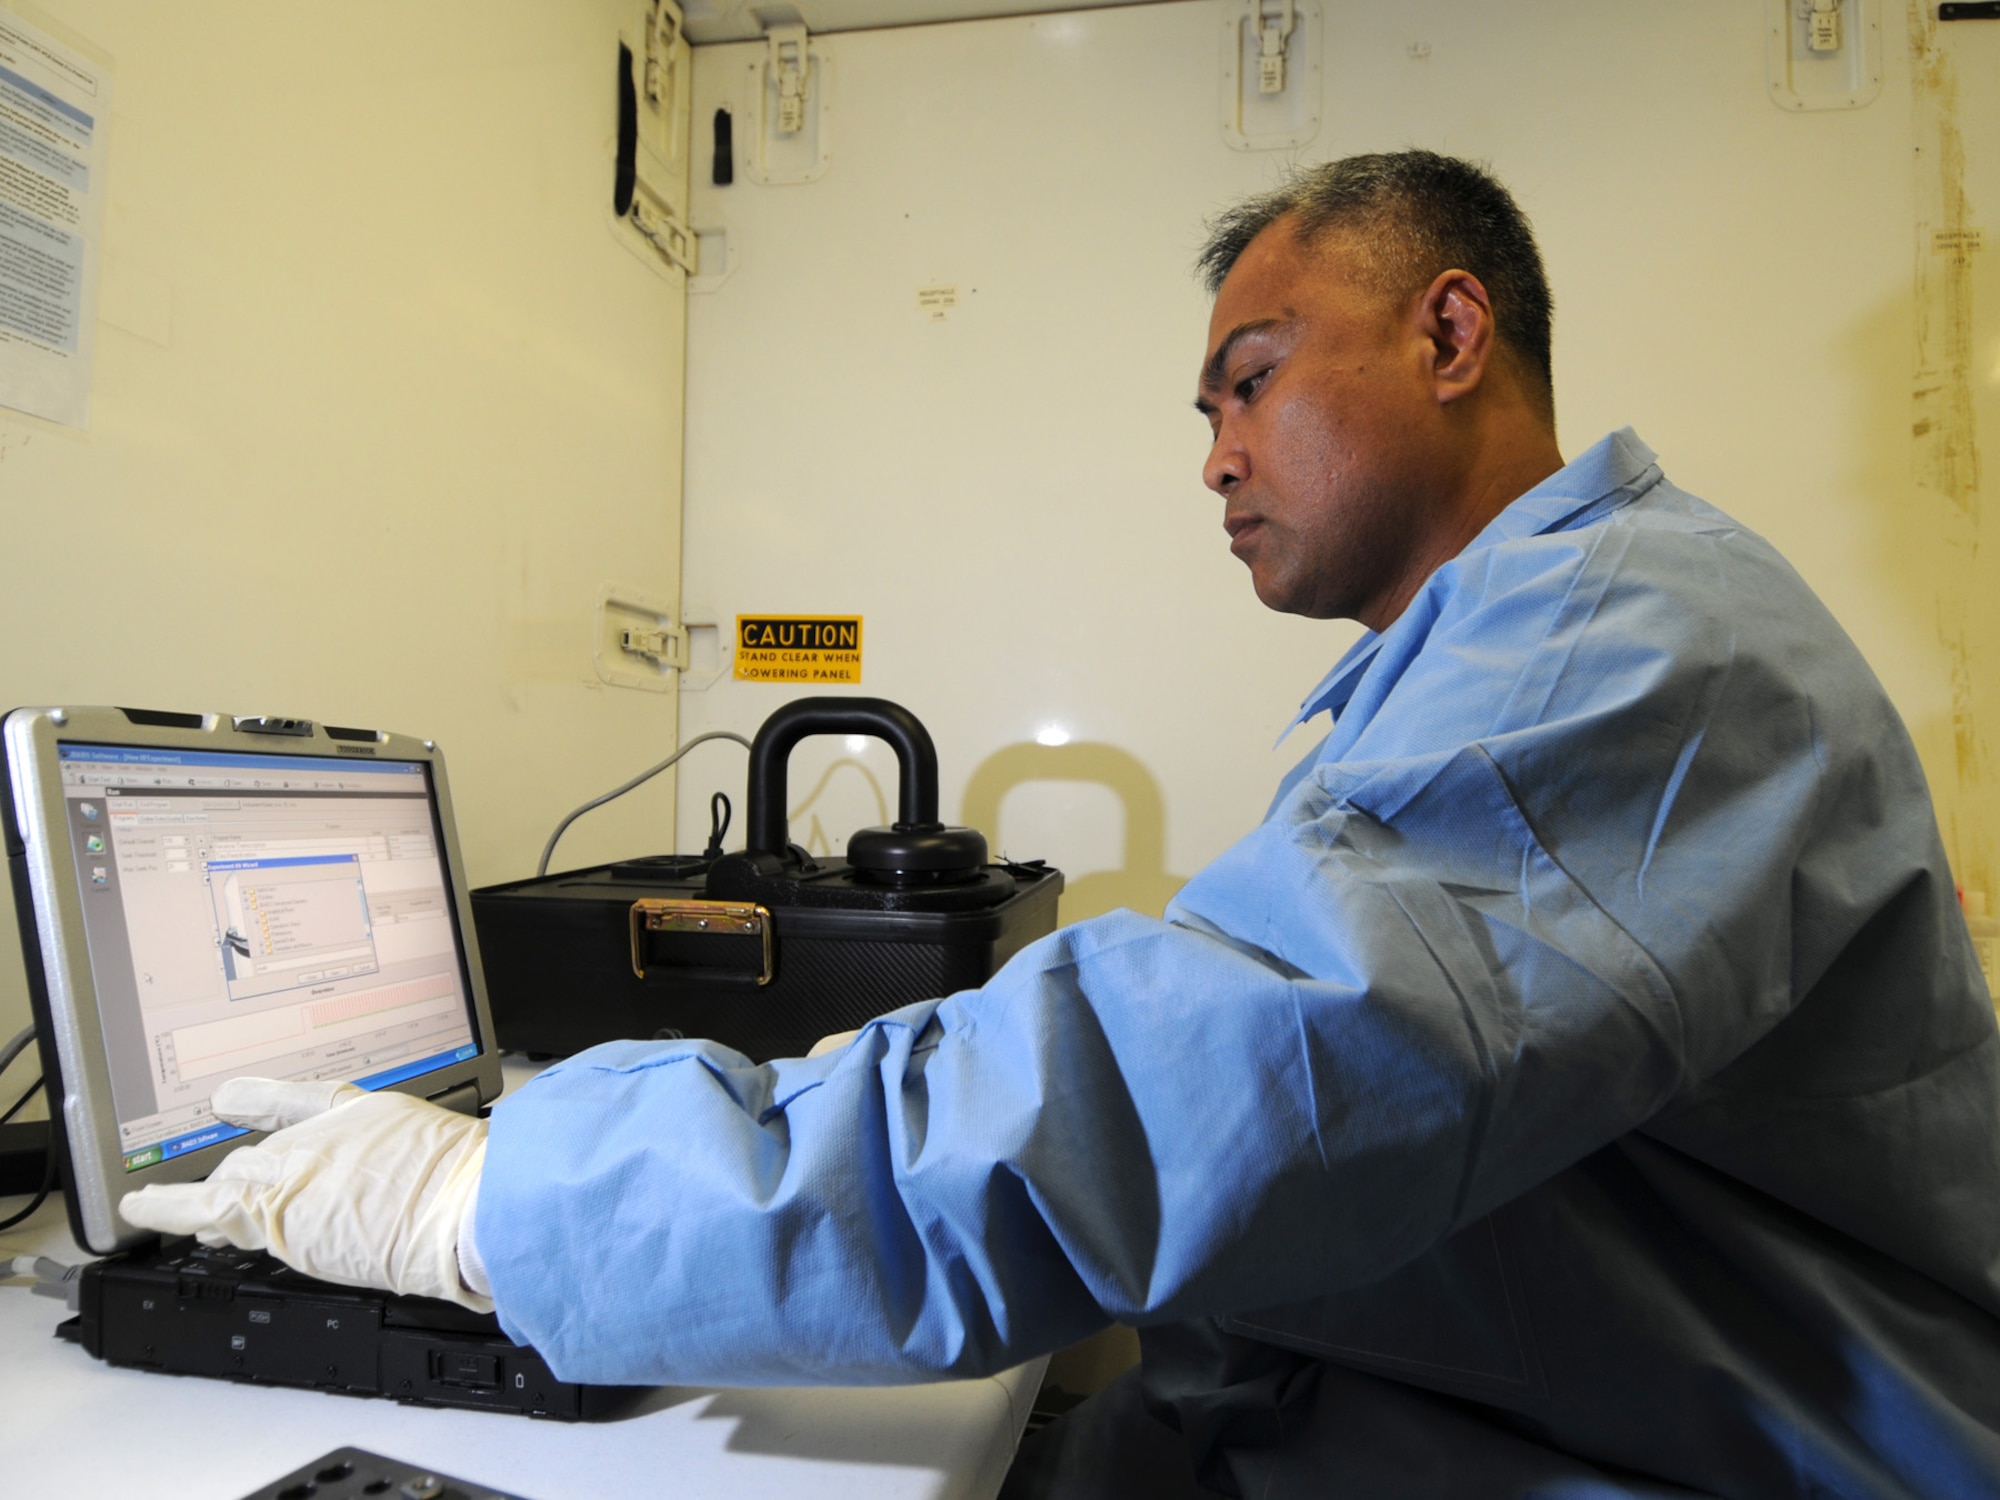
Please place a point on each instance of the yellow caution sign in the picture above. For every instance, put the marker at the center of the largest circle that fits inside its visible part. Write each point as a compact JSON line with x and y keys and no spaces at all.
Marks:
{"x":798,"y":648}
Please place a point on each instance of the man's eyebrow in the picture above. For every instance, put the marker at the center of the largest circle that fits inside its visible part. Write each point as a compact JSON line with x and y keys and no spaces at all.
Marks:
{"x":1212,"y":373}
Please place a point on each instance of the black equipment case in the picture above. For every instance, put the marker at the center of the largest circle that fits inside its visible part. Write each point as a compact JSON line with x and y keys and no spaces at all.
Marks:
{"x":770,"y":949}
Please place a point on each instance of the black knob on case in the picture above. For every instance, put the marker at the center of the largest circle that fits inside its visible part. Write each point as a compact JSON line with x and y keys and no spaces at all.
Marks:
{"x":906,"y":856}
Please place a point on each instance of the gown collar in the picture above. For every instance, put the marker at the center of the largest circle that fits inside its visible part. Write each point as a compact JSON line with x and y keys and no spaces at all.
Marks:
{"x":1610,"y":474}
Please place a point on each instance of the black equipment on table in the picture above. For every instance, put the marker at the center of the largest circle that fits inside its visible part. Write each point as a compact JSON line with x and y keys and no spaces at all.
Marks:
{"x":769,"y":949}
{"x":185,"y":1309}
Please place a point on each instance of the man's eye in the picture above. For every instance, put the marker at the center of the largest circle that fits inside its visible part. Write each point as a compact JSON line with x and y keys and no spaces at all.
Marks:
{"x":1248,"y":385}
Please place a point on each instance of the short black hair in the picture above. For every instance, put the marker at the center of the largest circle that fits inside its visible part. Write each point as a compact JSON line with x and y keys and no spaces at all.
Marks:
{"x":1416,"y":213}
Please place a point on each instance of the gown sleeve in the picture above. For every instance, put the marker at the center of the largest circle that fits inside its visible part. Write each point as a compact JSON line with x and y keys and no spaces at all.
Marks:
{"x":1414,"y":992}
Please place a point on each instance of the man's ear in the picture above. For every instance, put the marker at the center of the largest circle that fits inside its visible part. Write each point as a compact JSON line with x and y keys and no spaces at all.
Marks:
{"x":1457,"y":318}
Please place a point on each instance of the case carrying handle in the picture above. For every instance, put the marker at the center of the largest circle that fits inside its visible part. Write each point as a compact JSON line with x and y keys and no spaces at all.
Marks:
{"x":770,"y":753}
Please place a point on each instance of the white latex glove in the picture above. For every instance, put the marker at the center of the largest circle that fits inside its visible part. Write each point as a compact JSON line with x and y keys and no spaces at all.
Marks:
{"x":833,"y":1043}
{"x":366,"y":1189}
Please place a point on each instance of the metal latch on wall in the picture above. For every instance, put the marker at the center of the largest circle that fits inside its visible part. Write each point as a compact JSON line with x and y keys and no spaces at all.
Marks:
{"x":1273,"y":31}
{"x":649,"y":182}
{"x":665,"y":233}
{"x":663,"y":29}
{"x":791,"y":66}
{"x":639,"y":641}
{"x":1823,"y":54}
{"x":665,"y":647}
{"x":783,"y":126}
{"x":1271,"y":73}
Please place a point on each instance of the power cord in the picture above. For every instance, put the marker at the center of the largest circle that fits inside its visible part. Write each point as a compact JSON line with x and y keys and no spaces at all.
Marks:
{"x":640,"y":780}
{"x":21,"y":1103}
{"x":16,"y":1045}
{"x":52,"y":1278}
{"x":48,"y":1186}
{"x":718,"y":825}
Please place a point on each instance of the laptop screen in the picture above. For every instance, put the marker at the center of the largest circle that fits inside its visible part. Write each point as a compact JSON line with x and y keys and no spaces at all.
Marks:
{"x":286,"y":916}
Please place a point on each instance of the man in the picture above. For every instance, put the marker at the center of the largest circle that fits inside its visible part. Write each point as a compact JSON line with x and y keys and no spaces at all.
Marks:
{"x":1580,"y":1084}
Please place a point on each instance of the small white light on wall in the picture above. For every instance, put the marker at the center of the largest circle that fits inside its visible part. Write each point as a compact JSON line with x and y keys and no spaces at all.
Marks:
{"x":856,"y":743}
{"x":1052,"y":734}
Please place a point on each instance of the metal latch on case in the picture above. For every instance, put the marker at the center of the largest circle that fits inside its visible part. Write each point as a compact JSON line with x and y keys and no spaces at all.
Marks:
{"x":722,"y":918}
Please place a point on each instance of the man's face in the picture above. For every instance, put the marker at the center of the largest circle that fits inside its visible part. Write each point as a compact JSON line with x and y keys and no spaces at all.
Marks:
{"x":1328,"y":449}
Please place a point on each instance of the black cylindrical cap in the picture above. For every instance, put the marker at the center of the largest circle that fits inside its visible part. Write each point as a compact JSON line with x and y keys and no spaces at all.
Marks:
{"x":928,"y":852}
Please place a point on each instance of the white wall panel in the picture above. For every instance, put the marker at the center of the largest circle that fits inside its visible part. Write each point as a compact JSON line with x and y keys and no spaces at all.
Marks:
{"x":387,"y":407}
{"x":1012,"y":496}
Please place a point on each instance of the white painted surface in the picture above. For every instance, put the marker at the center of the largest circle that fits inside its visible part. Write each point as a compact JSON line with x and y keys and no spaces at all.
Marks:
{"x":382,"y":404}
{"x":1011,"y":496}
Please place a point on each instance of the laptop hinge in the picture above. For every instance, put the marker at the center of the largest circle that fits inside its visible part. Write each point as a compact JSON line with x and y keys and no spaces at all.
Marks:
{"x":464,"y":1098}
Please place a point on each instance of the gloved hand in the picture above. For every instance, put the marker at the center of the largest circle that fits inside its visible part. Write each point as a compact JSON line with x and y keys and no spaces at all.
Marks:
{"x":833,"y":1043}
{"x":366,"y":1189}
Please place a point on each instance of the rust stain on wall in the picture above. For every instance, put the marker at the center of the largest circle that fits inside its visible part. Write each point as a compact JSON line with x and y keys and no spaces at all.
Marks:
{"x":1967,"y":748}
{"x":1947,"y":448}
{"x":1943,"y":430}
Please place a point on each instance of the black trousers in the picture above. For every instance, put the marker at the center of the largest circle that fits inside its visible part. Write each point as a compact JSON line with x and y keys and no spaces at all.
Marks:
{"x":1208,"y":1414}
{"x":1108,"y":1448}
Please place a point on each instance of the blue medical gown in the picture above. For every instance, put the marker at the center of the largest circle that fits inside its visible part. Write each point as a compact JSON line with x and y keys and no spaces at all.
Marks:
{"x":1589,"y":1035}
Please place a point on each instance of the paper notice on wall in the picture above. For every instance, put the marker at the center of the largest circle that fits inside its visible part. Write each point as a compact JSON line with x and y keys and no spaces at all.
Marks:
{"x":54,"y":103}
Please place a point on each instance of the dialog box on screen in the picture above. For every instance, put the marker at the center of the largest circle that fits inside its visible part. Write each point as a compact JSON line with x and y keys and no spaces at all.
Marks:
{"x":288,"y":922}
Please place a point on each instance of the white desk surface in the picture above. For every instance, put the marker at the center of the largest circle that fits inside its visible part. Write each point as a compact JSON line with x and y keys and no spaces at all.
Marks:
{"x":70,"y":1425}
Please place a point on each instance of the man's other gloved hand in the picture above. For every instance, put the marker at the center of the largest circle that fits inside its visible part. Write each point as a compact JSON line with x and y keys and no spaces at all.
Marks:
{"x":359,"y":1188}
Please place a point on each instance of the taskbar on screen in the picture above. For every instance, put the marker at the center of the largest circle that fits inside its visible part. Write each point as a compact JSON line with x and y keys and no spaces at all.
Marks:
{"x":217,"y":1131}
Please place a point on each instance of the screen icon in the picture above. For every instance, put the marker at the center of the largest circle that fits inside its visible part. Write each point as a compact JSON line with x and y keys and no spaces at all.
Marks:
{"x":88,"y":809}
{"x":98,"y":876}
{"x":95,"y":843}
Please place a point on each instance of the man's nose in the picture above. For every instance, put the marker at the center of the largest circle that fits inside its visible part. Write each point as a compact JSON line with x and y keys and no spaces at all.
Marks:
{"x":1228,"y":465}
